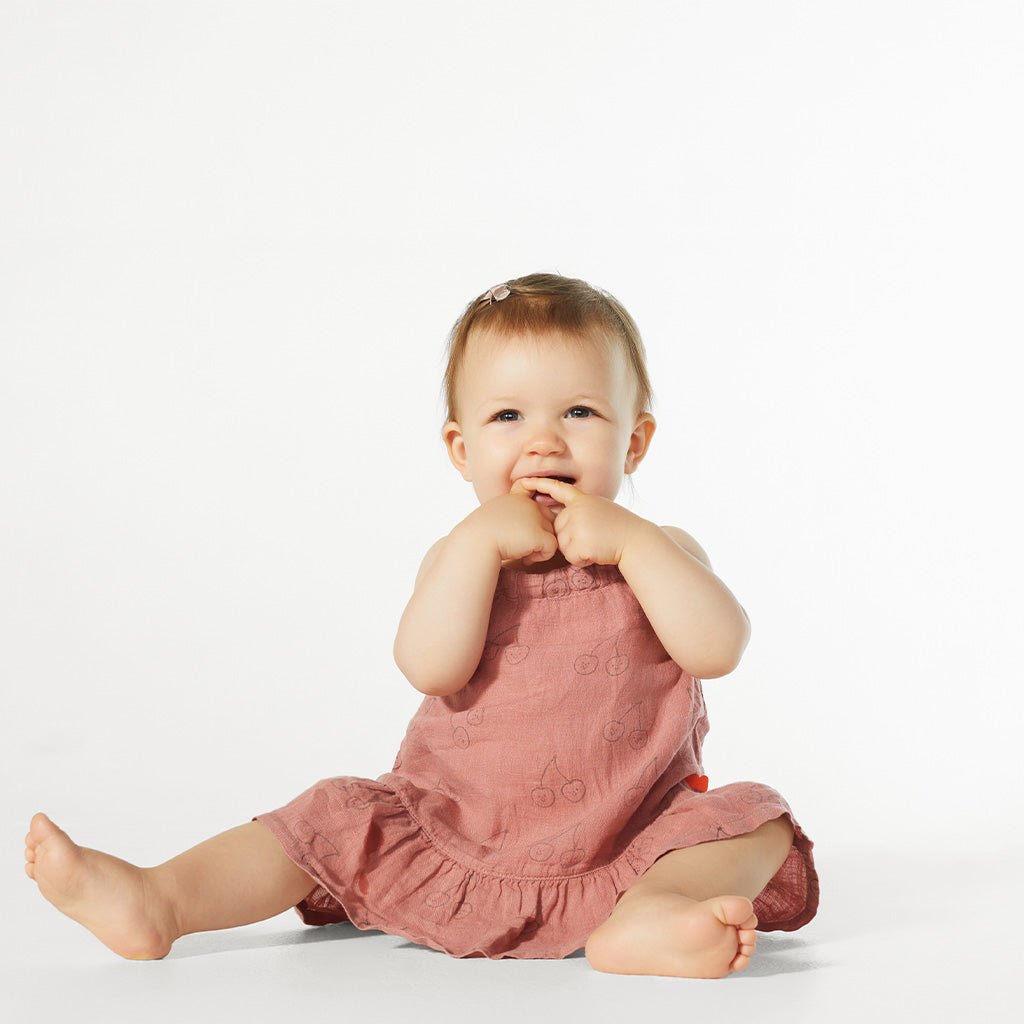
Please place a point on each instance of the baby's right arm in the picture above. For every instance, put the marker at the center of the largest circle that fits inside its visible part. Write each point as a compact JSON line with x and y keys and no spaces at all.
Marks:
{"x":443,"y":629}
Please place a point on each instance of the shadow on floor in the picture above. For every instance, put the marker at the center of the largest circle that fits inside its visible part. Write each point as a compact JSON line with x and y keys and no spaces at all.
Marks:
{"x":771,"y":957}
{"x":234,"y":939}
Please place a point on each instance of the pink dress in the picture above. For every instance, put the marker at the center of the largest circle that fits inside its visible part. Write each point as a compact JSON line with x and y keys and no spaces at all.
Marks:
{"x":520,"y":808}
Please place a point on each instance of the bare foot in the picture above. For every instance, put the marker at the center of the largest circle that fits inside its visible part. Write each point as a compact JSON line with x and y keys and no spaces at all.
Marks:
{"x":111,"y":897}
{"x":656,"y":931}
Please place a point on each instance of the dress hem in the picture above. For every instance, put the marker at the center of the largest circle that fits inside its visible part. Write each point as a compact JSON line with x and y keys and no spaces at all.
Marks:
{"x":621,"y":873}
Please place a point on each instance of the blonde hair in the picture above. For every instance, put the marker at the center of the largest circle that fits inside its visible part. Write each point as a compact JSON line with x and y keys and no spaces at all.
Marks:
{"x":538,"y":303}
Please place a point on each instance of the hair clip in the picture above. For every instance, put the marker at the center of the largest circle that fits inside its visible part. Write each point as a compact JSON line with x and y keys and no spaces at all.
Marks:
{"x":496,"y":294}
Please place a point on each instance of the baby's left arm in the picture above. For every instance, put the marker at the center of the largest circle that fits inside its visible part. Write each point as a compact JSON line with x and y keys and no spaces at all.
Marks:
{"x":698,"y":620}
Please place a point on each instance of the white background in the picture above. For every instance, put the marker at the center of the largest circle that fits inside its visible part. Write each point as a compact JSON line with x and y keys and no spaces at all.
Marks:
{"x":233,"y":238}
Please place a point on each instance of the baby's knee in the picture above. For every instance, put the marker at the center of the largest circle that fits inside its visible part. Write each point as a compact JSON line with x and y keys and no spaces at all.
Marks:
{"x":780,"y":828}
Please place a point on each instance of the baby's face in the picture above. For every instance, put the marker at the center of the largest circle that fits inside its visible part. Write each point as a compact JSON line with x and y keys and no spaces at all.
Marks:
{"x":544,"y":406}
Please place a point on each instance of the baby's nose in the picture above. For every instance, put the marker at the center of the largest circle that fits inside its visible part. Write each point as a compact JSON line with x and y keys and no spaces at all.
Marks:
{"x":544,"y":443}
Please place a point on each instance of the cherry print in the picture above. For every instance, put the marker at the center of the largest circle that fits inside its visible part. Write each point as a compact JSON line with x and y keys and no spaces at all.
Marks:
{"x":642,"y":786}
{"x":441,"y":788}
{"x":638,"y":851}
{"x":573,"y":856}
{"x":556,"y":587}
{"x":572,"y":789}
{"x":318,"y":847}
{"x":543,"y":796}
{"x":460,"y":735}
{"x":633,"y":795}
{"x":357,"y":795}
{"x":638,"y":738}
{"x":617,"y":665}
{"x":495,"y":842}
{"x":514,"y":653}
{"x":580,"y":579}
{"x":542,"y":851}
{"x":614,"y":729}
{"x":438,"y":899}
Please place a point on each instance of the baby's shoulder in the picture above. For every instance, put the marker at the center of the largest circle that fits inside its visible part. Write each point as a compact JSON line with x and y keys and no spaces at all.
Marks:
{"x":428,"y":559}
{"x":688,"y":543}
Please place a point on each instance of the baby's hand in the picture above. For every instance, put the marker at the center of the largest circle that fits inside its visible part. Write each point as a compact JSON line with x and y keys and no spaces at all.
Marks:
{"x":517,"y":526}
{"x":590,"y":529}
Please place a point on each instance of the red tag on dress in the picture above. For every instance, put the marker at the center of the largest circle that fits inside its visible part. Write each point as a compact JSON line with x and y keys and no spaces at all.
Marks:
{"x":697,"y":782}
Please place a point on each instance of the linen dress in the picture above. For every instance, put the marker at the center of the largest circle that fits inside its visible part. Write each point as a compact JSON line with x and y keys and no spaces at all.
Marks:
{"x":519,"y":809}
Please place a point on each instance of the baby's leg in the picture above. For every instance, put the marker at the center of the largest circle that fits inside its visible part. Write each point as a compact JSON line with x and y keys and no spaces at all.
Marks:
{"x":235,"y":878}
{"x":691,"y":914}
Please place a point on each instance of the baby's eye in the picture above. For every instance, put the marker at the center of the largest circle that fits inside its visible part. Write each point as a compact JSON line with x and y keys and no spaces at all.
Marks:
{"x":500,"y":417}
{"x":583,"y":409}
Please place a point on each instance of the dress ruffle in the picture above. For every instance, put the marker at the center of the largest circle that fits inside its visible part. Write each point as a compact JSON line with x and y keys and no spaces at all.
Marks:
{"x":383,"y":869}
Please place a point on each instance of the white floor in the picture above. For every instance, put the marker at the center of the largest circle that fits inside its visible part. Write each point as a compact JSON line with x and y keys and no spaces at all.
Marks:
{"x":932,"y":937}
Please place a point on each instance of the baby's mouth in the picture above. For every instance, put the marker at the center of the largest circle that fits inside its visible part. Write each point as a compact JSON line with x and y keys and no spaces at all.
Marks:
{"x":546,"y":499}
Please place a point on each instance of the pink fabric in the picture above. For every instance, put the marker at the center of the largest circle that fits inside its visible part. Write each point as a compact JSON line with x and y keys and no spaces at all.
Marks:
{"x":520,"y":808}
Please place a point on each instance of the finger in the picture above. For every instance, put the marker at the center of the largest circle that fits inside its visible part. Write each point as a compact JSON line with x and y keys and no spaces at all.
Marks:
{"x":558,"y":489}
{"x":550,"y":514}
{"x":542,"y":554}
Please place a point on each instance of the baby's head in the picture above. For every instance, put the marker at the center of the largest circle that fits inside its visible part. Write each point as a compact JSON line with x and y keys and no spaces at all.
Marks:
{"x":546,"y":376}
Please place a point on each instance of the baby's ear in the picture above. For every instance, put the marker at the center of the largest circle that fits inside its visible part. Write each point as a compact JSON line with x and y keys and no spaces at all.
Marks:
{"x":640,"y":440}
{"x":456,"y":447}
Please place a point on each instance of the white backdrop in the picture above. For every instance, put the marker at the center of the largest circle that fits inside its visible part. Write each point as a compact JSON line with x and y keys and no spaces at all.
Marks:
{"x":234,"y":237}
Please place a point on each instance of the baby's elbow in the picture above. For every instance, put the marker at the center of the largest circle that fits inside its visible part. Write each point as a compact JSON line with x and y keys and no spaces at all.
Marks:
{"x":725,"y":661}
{"x":438,"y":687}
{"x":714,"y":671}
{"x":429,"y":685}
{"x":730,"y":661}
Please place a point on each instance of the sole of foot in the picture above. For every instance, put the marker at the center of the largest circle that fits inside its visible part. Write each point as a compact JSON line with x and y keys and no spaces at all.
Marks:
{"x":666,"y":933}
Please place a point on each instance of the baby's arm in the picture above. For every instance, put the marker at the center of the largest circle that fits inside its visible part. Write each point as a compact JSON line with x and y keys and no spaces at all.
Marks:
{"x":698,"y":620}
{"x":444,"y":627}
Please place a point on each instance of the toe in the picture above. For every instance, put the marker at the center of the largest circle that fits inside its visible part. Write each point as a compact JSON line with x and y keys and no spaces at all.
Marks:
{"x":734,"y":910}
{"x":41,"y":826}
{"x":30,"y":870}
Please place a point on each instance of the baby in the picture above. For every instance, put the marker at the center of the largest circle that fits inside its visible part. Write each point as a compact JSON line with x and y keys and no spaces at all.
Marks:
{"x":549,"y":793}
